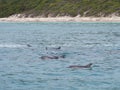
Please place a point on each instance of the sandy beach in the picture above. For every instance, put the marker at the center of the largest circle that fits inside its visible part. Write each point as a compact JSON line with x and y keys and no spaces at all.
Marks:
{"x":61,"y":19}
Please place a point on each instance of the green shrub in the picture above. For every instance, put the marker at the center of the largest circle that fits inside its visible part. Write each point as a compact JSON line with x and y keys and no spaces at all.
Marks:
{"x":61,"y":7}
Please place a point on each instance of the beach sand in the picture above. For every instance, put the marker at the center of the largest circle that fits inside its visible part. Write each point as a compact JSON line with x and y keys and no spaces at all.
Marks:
{"x":62,"y":19}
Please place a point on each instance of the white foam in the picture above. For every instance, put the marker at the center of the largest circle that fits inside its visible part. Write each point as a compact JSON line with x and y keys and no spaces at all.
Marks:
{"x":11,"y":46}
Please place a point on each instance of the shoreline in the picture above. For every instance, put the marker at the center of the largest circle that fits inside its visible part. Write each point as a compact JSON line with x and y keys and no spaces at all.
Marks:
{"x":61,"y":19}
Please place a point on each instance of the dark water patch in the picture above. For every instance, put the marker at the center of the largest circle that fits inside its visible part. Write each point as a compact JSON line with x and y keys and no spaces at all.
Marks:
{"x":117,"y":34}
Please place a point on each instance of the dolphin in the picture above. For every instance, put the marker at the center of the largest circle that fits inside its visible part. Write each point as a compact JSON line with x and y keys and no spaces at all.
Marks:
{"x":55,"y":48}
{"x":52,"y":57}
{"x":49,"y":57}
{"x":78,"y":66}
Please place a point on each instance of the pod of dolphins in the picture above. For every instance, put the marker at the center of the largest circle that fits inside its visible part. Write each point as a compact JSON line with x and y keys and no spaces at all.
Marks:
{"x":62,"y":56}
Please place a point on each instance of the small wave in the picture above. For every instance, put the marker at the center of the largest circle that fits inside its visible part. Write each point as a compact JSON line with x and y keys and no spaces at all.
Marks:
{"x":57,"y":45}
{"x":11,"y":46}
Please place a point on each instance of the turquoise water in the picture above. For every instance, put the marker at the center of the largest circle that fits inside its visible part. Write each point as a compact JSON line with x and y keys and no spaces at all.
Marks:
{"x":22,"y":69}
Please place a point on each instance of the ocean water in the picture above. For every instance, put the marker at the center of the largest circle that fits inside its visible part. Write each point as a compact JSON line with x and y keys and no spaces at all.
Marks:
{"x":21,"y":67}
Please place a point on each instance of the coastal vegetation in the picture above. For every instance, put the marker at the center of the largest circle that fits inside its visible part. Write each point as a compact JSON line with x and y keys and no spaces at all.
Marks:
{"x":54,"y":8}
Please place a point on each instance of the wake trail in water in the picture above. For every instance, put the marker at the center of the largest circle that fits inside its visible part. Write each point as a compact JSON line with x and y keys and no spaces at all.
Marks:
{"x":12,"y":46}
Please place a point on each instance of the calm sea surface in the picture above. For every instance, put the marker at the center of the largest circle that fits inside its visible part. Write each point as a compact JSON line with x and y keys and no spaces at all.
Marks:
{"x":21,"y":67}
